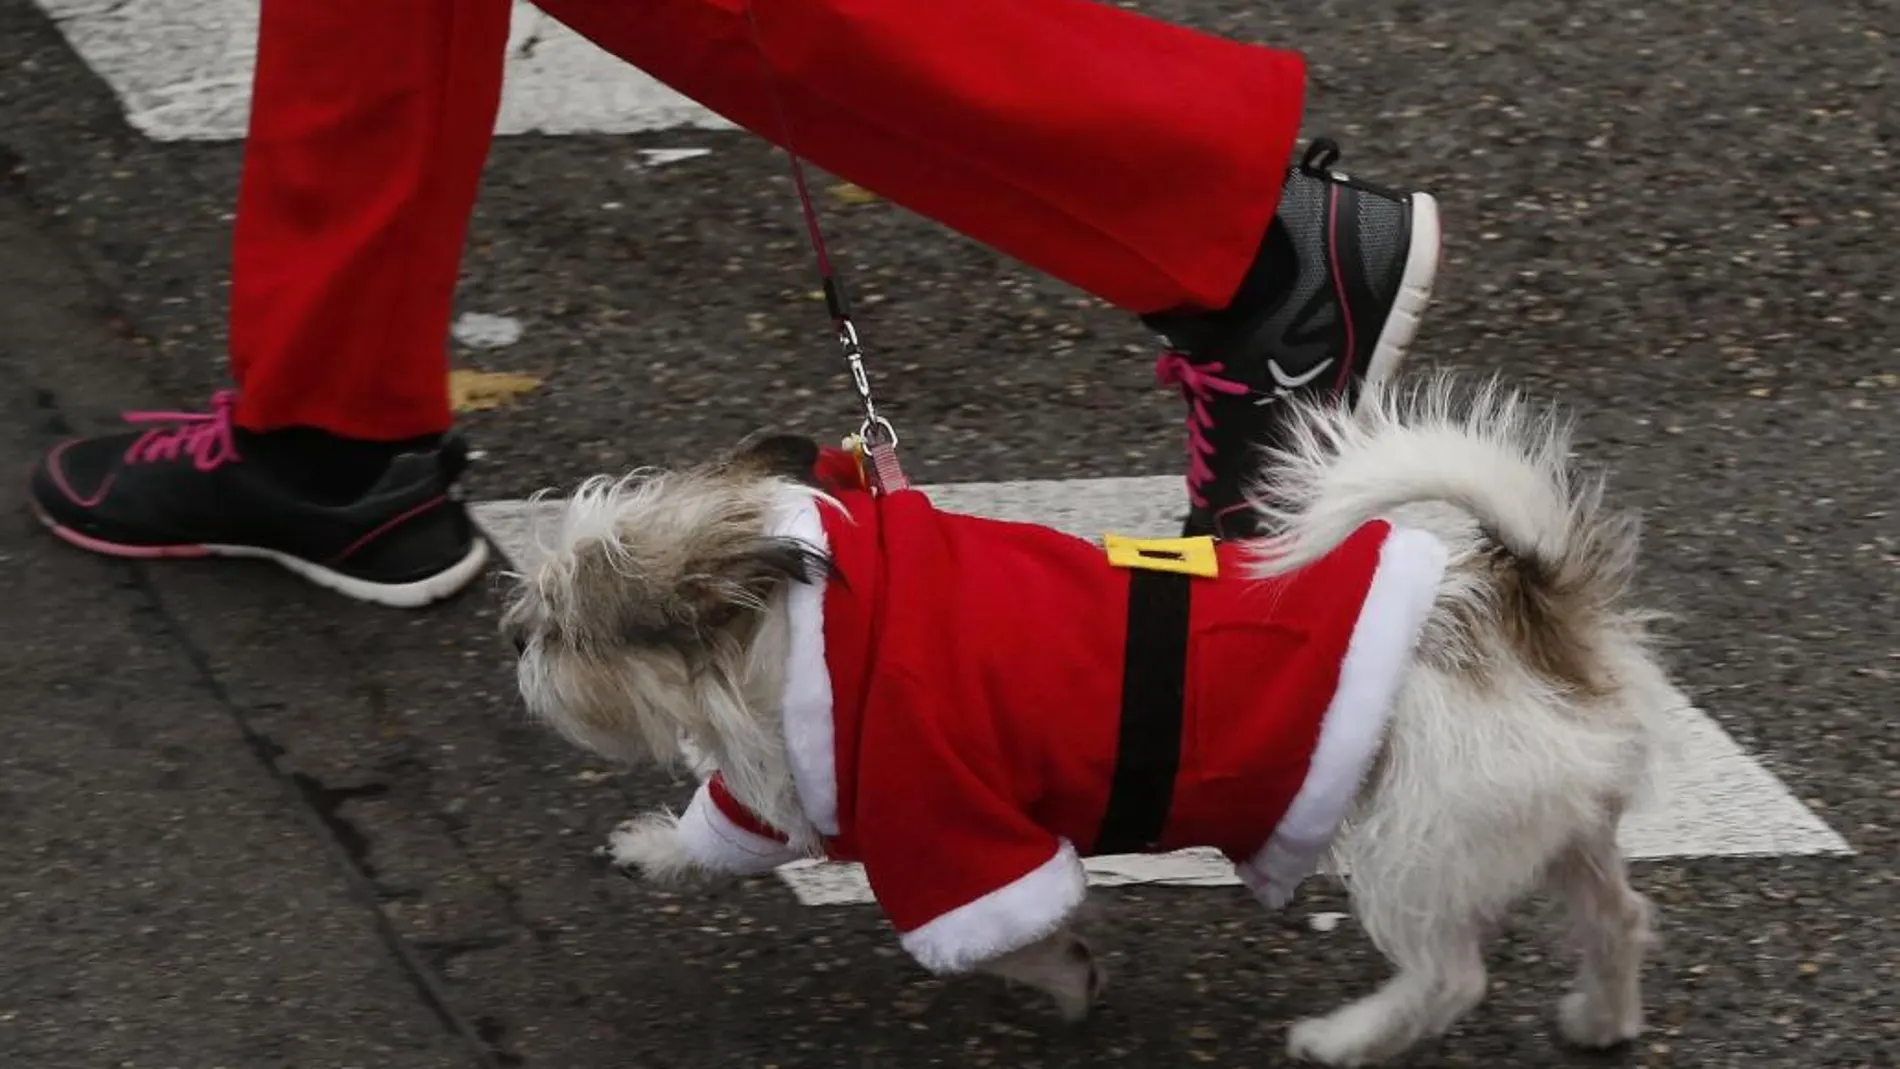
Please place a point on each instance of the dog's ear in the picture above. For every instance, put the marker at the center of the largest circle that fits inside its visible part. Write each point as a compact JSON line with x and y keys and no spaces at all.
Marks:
{"x":776,"y":454}
{"x":773,"y":560}
{"x":687,"y":601}
{"x":717,"y":591}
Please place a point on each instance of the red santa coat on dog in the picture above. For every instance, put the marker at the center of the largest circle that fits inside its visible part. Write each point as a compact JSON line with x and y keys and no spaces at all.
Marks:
{"x":953,"y":706}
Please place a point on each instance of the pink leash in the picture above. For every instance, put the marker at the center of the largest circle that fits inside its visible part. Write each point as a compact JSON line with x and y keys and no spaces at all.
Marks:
{"x":877,"y":437}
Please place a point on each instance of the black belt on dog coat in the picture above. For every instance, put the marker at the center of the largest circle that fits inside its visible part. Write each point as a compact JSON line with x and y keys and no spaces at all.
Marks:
{"x":1154,"y":693}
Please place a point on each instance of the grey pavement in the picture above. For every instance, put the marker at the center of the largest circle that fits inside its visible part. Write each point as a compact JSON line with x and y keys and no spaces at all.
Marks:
{"x":168,"y":898}
{"x":250,"y":824}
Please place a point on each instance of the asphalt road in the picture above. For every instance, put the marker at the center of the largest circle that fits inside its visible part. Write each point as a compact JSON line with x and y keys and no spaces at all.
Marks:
{"x":249,"y":824}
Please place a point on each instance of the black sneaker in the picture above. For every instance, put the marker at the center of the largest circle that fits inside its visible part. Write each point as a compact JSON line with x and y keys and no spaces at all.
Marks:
{"x":1331,"y":304}
{"x":178,"y":487}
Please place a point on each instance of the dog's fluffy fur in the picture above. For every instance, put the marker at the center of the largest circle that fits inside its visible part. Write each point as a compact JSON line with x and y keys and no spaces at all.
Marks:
{"x":1520,"y":736}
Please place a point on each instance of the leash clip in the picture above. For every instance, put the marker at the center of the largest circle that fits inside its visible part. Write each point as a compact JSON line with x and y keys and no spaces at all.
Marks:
{"x":876,"y":440}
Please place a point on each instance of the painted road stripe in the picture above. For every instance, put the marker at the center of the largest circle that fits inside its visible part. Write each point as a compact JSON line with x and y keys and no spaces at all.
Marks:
{"x":1711,"y":799}
{"x":182,"y":71}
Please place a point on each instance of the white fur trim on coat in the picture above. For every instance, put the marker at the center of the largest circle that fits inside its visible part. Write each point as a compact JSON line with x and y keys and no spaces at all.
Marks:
{"x":714,"y":841}
{"x":1011,"y":917}
{"x":809,"y":738}
{"x":1411,"y":564}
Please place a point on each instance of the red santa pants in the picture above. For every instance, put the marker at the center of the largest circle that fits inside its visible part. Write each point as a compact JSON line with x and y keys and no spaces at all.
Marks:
{"x":1138,"y":160}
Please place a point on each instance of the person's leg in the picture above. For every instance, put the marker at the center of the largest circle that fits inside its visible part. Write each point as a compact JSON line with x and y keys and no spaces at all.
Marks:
{"x":1138,"y":160}
{"x":370,"y":123}
{"x":1132,"y":158}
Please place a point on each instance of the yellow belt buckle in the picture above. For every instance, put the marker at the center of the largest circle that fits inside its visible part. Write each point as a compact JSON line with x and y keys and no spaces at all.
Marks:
{"x":1188,"y":556}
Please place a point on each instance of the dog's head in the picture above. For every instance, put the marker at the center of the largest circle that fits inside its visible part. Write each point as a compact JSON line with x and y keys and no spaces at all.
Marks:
{"x":652,"y":609}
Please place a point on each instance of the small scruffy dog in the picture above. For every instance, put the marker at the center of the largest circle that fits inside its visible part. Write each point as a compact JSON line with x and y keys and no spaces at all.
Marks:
{"x":1431,"y":672}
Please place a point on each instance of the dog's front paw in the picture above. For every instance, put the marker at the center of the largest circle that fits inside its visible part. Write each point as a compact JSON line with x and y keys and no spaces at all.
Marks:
{"x":1341,"y":1038}
{"x":1588,"y":1023}
{"x":1078,"y":990}
{"x":650,"y":845}
{"x":1062,"y":967}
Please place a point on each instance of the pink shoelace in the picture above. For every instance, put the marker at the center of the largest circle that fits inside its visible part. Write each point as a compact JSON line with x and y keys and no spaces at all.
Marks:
{"x":1198,"y":383}
{"x":204,"y":436}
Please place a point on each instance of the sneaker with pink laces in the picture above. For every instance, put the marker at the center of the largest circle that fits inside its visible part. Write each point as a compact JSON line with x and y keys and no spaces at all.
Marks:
{"x":1331,"y":304}
{"x":182,"y":484}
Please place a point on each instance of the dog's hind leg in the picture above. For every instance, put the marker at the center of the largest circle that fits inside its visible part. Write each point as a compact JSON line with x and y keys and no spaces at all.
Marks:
{"x":1434,"y":861}
{"x":1429,"y":915}
{"x":1441,"y":977}
{"x":1612,"y":930}
{"x":1061,"y":966}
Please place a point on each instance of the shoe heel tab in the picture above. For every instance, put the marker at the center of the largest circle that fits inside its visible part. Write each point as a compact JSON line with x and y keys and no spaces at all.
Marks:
{"x":442,"y":465}
{"x":1320,"y":156}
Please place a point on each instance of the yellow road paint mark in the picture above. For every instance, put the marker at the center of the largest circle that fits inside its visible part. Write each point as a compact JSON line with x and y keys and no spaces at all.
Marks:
{"x":479,"y":391}
{"x":846,"y":193}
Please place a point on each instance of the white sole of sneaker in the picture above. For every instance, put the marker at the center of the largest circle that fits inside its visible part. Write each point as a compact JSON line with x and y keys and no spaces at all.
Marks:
{"x":413,"y":595}
{"x":1415,"y":292}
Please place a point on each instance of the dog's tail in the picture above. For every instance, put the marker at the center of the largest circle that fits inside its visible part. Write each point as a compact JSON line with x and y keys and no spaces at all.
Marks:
{"x":1488,"y":454}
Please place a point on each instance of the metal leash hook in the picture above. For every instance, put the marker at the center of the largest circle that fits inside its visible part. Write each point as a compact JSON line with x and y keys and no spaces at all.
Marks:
{"x":876,"y":440}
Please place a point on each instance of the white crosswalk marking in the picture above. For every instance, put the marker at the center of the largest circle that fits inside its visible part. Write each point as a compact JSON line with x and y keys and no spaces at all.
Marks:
{"x":182,"y":71}
{"x":1711,"y":799}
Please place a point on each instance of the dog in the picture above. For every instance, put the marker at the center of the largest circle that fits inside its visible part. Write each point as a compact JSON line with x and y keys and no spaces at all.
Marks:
{"x":1488,"y":696}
